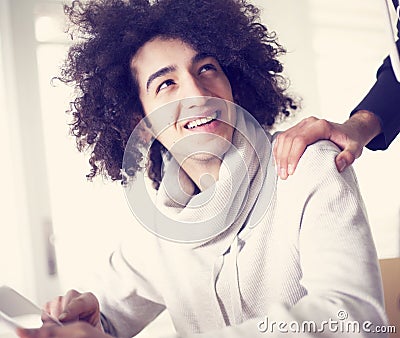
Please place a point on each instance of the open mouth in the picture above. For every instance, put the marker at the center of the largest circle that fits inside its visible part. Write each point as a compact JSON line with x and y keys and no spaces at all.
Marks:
{"x":201,"y":121}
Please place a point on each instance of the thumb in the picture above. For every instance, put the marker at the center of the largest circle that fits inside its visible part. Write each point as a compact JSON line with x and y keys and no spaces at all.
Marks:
{"x":345,"y":159}
{"x":84,"y":307}
{"x":27,"y":333}
{"x":72,"y":310}
{"x":67,"y":316}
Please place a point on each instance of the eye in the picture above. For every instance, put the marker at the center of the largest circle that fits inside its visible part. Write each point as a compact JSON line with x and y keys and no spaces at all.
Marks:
{"x":207,"y":67}
{"x":164,"y":85}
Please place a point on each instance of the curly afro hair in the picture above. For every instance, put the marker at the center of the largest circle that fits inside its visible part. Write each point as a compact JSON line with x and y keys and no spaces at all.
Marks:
{"x":107,"y":106}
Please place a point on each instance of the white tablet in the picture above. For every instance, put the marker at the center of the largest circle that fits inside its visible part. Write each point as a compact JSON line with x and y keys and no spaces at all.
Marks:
{"x":17,"y":311}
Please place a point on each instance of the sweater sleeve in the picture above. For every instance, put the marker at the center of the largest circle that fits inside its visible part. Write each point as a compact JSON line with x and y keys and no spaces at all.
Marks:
{"x":383,"y":100}
{"x":335,"y":237}
{"x":340,"y":270}
{"x":128,"y":299}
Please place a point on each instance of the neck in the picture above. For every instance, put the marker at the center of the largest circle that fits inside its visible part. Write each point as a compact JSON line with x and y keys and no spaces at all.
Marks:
{"x":204,"y":172}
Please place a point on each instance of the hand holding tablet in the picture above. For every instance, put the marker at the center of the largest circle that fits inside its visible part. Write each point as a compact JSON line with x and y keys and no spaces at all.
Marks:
{"x":16,"y":311}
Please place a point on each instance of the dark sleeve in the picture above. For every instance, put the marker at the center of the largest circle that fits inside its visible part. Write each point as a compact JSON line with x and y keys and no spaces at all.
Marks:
{"x":384,"y":101}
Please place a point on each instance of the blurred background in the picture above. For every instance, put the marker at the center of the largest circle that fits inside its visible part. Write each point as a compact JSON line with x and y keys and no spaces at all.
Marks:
{"x":56,"y":228}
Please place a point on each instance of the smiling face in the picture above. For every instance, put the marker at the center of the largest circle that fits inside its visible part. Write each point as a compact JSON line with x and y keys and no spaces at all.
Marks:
{"x":188,"y":87}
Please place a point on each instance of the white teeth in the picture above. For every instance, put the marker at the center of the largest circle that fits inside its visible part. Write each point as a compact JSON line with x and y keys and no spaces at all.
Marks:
{"x":201,"y":121}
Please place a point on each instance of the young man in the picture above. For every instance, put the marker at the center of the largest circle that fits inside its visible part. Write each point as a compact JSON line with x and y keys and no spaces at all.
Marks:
{"x":231,"y":249}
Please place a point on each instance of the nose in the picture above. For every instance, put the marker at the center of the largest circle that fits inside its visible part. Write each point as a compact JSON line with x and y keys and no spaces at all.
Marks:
{"x":196,"y":91}
{"x":191,"y":102}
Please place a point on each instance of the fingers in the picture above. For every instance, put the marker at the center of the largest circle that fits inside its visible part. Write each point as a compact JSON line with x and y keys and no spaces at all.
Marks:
{"x":74,"y":306}
{"x":346,"y":158}
{"x":83,"y":307}
{"x":289,"y":150}
{"x":291,"y":144}
{"x":74,"y":330}
{"x":348,"y":140}
{"x":281,"y":149}
{"x":54,"y":307}
{"x":296,"y":151}
{"x":43,"y":332}
{"x":59,"y":307}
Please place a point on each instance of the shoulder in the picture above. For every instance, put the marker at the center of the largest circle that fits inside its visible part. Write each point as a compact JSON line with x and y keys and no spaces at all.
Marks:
{"x":319,"y":150}
{"x":318,"y":162}
{"x":318,"y":158}
{"x":317,"y":169}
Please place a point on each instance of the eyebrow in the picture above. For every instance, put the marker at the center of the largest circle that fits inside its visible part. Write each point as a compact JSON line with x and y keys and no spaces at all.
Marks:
{"x":169,"y":69}
{"x":159,"y":73}
{"x":200,"y":57}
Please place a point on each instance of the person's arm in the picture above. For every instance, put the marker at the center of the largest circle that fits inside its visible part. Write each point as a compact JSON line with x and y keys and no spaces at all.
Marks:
{"x":123,"y":301}
{"x":374,"y":123}
{"x":78,"y":329}
{"x":128,"y":299}
{"x":351,"y":137}
{"x":383,"y":100}
{"x":383,"y":104}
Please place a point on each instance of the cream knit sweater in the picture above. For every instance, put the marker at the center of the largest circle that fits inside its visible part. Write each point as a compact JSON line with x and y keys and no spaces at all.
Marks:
{"x":311,"y":258}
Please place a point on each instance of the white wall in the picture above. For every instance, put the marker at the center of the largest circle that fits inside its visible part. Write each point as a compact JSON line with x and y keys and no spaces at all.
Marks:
{"x":26,"y":227}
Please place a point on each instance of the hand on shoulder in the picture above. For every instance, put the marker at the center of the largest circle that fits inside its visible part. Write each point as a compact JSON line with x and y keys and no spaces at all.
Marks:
{"x":350,"y":137}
